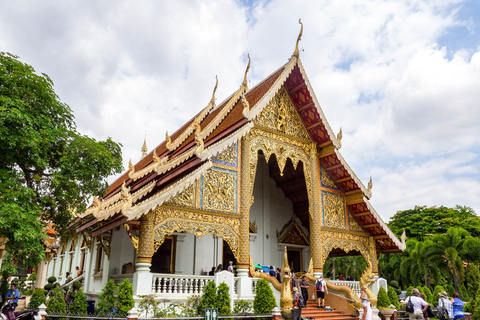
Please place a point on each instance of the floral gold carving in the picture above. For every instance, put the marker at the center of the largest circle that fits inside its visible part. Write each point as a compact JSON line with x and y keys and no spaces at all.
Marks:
{"x":186,"y":198}
{"x":333,"y":210}
{"x":326,"y":180}
{"x":253,"y":227}
{"x":281,"y":115}
{"x":227,"y":157}
{"x":219,"y":190}
{"x":354,"y":226}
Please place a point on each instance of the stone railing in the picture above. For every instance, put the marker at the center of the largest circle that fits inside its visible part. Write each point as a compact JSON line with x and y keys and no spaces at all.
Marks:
{"x":355,"y":285}
{"x":118,"y":278}
{"x":178,"y":284}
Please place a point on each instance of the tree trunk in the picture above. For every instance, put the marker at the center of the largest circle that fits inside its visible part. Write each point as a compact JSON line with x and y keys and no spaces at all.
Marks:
{"x":455,"y":282}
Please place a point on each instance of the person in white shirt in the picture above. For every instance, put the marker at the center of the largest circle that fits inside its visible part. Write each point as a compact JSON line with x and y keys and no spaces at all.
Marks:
{"x":230,"y":266}
{"x":419,"y":305}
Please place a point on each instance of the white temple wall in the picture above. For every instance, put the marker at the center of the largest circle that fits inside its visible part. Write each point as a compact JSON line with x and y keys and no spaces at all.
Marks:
{"x":121,"y":251}
{"x":271,"y":210}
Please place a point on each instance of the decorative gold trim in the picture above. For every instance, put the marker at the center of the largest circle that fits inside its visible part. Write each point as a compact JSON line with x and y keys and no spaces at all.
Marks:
{"x":253,"y":226}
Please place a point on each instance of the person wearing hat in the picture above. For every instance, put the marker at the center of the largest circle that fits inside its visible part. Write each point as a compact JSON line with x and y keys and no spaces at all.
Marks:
{"x":419,"y":305}
{"x":297,"y":310}
{"x":444,"y":302}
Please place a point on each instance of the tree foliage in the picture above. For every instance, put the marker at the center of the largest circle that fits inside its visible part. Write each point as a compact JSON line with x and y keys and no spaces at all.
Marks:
{"x":223,"y":299}
{"x":264,"y":301}
{"x":106,"y":300}
{"x":125,"y":297}
{"x":47,"y":168}
{"x":38,"y":297}
{"x":79,"y":305}
{"x":392,"y":295}
{"x":209,"y":298}
{"x":57,"y":303}
{"x":382,"y":298}
{"x":473,"y":279}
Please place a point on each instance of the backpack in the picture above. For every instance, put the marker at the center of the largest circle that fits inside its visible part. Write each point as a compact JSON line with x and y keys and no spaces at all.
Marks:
{"x":300,"y":302}
{"x":442,"y":311}
{"x":409,"y":306}
{"x":319,"y":285}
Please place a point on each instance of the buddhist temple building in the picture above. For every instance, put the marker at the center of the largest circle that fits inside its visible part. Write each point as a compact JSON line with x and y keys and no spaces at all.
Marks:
{"x":245,"y":180}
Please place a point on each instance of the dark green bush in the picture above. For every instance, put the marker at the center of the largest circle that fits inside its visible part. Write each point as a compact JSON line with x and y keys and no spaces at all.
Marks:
{"x":435,"y":295}
{"x":383,"y":300}
{"x":428,"y":295}
{"x":464,"y":293}
{"x":38,"y":297}
{"x":48,"y":286}
{"x":5,"y":285}
{"x":106,"y":300}
{"x":76,"y":285}
{"x":242,"y":307}
{"x":392,"y":295}
{"x":223,"y":299}
{"x":52,"y":279}
{"x":264,"y":300}
{"x":209,"y":298}
{"x":79,"y":305}
{"x":125,"y":297}
{"x":409,"y":291}
{"x":57,"y":303}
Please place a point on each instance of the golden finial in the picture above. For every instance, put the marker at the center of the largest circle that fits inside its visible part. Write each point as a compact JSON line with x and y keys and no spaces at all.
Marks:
{"x":144,"y":147}
{"x":404,"y":236}
{"x":340,"y":135}
{"x":246,"y":71}
{"x":246,"y":105}
{"x":156,"y":158}
{"x":370,"y":184}
{"x":214,"y":90}
{"x":198,"y":137}
{"x":297,"y":51}
{"x":169,"y":140}
{"x":131,"y":168}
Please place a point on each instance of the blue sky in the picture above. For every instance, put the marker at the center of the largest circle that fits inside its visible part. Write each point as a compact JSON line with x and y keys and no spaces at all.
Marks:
{"x":401,"y":78}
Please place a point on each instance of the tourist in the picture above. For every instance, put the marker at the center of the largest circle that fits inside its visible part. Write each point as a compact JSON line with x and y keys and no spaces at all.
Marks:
{"x":457,"y":306}
{"x":212,"y":272}
{"x":79,"y":272}
{"x":278,"y":275}
{"x":219,"y":268}
{"x":444,"y":302}
{"x":292,"y":279}
{"x":425,"y":313}
{"x":349,"y":278}
{"x":272,"y":272}
{"x":230,"y":266}
{"x":67,"y":278}
{"x":367,"y":310}
{"x":297,"y":309}
{"x":322,"y":290}
{"x":419,"y":305}
{"x":304,"y":287}
{"x":341,"y":278}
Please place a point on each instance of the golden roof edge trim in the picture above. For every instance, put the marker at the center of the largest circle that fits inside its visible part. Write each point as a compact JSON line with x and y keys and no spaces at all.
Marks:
{"x":330,"y":132}
{"x":166,"y":194}
{"x":401,"y":245}
{"x":366,"y":192}
{"x":272,"y":91}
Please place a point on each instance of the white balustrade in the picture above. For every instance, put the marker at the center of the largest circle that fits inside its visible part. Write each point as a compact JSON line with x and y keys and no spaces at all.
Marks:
{"x":178,"y":284}
{"x":254,"y":285}
{"x":355,"y":285}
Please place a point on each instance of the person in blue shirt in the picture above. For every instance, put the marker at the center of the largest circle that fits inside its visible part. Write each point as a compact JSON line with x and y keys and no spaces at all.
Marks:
{"x":13,"y":294}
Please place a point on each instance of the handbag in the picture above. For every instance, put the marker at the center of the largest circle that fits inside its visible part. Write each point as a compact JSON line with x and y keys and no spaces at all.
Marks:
{"x":409,"y":305}
{"x":430,"y":312}
{"x":442,"y":312}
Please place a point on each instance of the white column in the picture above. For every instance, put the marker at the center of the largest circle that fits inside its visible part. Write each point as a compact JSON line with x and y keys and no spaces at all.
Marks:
{"x":244,"y":285}
{"x":41,"y":275}
{"x":142,"y":279}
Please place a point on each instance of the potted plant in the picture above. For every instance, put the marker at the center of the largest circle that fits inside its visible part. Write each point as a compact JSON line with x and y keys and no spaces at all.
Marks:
{"x":384,"y":304}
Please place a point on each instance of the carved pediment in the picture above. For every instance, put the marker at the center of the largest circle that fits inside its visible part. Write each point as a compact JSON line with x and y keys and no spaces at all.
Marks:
{"x":280,"y":115}
{"x":291,"y":233}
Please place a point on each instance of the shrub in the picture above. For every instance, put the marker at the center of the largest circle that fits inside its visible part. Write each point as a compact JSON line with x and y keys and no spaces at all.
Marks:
{"x":473,"y":279}
{"x":190,"y":307}
{"x":264,"y":300}
{"x":382,"y":299}
{"x":409,"y":291}
{"x":392,"y":295}
{"x":223,"y":299}
{"x":209,"y":298}
{"x":242,"y":307}
{"x":428,"y":295}
{"x":76,"y":285}
{"x":48,"y":287}
{"x":38,"y":297}
{"x":52,"y":279}
{"x":125,"y":297}
{"x":148,"y":306}
{"x":57,"y":303}
{"x":464,"y":293}
{"x":106,"y":300}
{"x":79,"y":305}
{"x":476,"y":307}
{"x":450,"y":289}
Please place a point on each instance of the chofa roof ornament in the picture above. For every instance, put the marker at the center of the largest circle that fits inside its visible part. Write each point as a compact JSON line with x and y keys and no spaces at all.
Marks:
{"x":244,"y":83}
{"x":296,"y":53}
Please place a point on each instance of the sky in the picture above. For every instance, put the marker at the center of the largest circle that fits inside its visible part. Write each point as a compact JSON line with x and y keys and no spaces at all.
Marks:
{"x":401,"y":78}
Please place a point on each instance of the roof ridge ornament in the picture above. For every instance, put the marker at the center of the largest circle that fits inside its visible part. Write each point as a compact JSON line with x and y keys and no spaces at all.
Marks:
{"x":244,"y":84}
{"x":212,"y":101}
{"x":144,"y":147}
{"x":296,"y":53}
{"x":339,"y":138}
{"x":169,"y":140}
{"x":246,"y":105}
{"x":370,"y":185}
{"x":198,"y":138}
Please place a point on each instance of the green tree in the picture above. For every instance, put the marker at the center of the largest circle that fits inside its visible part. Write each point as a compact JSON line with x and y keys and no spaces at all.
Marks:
{"x":464,"y":293}
{"x":422,"y":222}
{"x":264,"y":301}
{"x":5,"y":285}
{"x":223,"y":299}
{"x":428,"y":295}
{"x":79,"y":305}
{"x":383,"y":300}
{"x":106,"y":300}
{"x":409,"y":291}
{"x":476,"y":307}
{"x":473,"y":279}
{"x":56,"y":303}
{"x":392,"y":295}
{"x":436,"y":296}
{"x":209,"y":298}
{"x":125,"y":297}
{"x":47,"y":168}
{"x":38,"y":297}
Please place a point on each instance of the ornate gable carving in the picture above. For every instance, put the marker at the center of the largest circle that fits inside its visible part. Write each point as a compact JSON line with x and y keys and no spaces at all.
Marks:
{"x":280,"y":115}
{"x":228,"y":157}
{"x":185,"y":199}
{"x":333,"y":210}
{"x":354,"y":226}
{"x":219,"y":190}
{"x":291,"y":233}
{"x":326,"y":180}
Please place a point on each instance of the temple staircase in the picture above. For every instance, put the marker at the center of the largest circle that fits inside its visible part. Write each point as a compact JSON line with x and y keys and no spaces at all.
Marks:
{"x":313,"y":312}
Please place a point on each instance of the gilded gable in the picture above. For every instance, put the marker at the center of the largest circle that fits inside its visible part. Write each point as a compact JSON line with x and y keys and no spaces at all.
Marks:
{"x":354,"y":226}
{"x":333,"y":210}
{"x":280,"y":115}
{"x":185,"y":199}
{"x":326,"y":180}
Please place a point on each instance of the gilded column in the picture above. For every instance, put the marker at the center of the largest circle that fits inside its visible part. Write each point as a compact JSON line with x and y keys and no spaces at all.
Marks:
{"x":315,"y":213}
{"x":243,"y":260}
{"x":142,"y":278}
{"x":373,"y":256}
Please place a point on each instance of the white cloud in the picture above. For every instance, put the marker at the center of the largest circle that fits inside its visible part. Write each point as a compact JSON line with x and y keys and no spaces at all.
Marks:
{"x":408,"y":108}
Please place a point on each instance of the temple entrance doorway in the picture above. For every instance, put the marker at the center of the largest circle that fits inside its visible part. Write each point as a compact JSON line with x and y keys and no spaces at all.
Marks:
{"x":163,"y":261}
{"x":227,"y":256}
{"x":295,"y":259}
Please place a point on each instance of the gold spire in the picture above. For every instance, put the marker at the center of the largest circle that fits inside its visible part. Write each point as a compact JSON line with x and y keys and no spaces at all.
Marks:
{"x":144,"y":147}
{"x":244,"y":84}
{"x":169,"y":140}
{"x":214,"y":90}
{"x":370,"y":184}
{"x":296,"y":53}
